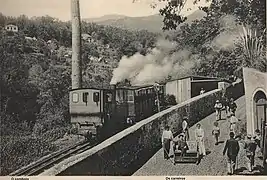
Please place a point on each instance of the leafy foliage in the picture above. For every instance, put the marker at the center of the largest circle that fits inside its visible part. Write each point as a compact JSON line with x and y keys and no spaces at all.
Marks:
{"x":200,"y":35}
{"x":170,"y":100}
{"x":37,"y":77}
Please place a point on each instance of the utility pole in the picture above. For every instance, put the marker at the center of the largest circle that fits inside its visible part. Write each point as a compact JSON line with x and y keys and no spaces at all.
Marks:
{"x":156,"y":87}
{"x":76,"y":76}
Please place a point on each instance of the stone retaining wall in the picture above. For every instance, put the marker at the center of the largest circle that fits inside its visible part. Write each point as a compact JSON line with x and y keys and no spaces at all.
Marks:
{"x":127,"y":151}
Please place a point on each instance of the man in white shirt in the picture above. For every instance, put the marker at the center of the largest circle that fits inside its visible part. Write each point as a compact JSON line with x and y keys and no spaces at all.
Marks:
{"x":185,"y":128}
{"x":166,"y":139}
{"x":233,"y":122}
{"x":218,"y":108}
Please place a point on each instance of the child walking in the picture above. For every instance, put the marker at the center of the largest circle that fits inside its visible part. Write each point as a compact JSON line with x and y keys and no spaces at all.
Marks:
{"x":216,"y":132}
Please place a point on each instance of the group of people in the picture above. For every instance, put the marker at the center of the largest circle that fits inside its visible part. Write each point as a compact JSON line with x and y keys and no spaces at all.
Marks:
{"x":230,"y":109}
{"x":181,"y":143}
{"x":231,"y":147}
{"x":229,"y":106}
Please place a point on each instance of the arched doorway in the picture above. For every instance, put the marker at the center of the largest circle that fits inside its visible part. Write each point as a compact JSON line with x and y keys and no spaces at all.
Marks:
{"x":259,"y":109}
{"x":260,"y":121}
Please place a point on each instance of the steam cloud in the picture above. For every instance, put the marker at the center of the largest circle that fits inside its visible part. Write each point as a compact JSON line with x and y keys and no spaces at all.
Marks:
{"x":230,"y":33}
{"x":156,"y":66}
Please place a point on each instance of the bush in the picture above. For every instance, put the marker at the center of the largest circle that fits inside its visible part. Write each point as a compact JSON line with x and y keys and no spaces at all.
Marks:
{"x":20,"y":151}
{"x":54,"y":134}
{"x":170,"y":100}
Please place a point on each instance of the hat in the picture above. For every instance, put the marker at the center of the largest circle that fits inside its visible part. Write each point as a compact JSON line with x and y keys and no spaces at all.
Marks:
{"x":181,"y":134}
{"x":217,"y":101}
{"x":232,"y":134}
{"x":185,"y":118}
{"x":249,"y":136}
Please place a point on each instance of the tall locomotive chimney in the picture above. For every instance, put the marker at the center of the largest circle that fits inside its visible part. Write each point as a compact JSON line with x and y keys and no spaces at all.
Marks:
{"x":76,"y":76}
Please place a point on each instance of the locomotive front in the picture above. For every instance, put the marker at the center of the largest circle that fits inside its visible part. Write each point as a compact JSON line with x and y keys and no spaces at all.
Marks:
{"x":86,"y":111}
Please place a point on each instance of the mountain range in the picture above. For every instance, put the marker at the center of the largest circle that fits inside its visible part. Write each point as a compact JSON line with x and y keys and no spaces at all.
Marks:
{"x":152,"y":23}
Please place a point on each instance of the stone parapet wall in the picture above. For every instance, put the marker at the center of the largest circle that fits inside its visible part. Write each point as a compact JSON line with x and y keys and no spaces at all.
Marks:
{"x":127,"y":151}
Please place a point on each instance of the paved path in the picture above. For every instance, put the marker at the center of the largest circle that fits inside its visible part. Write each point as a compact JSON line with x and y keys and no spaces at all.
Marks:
{"x":213,"y":164}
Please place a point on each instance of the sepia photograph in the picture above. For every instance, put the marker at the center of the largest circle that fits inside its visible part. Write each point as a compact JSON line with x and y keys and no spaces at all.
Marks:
{"x":174,"y":89}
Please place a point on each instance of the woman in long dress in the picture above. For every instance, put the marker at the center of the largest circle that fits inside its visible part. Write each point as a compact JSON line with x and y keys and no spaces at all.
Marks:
{"x":199,"y":135}
{"x":166,"y":139}
{"x":185,"y":128}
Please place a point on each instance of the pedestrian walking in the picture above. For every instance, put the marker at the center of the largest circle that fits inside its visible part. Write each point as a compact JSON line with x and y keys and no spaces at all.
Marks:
{"x":218,"y":110}
{"x":232,"y":148}
{"x":233,"y":123}
{"x":199,"y":135}
{"x":232,"y":106}
{"x":250,"y":146}
{"x":166,"y":139}
{"x":216,"y":132}
{"x":185,"y":128}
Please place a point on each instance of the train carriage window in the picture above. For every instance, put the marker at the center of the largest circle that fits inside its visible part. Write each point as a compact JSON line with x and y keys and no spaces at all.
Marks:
{"x":75,"y":97}
{"x":85,"y":97}
{"x":130,"y":96}
{"x":96,"y":97}
{"x":119,"y":96}
{"x":109,"y":97}
{"x":124,"y":95}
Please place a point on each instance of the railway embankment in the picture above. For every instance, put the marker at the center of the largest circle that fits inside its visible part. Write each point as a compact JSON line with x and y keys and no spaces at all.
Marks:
{"x":127,"y":151}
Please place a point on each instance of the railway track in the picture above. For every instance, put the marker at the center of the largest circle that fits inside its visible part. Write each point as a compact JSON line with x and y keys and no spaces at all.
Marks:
{"x":48,"y":161}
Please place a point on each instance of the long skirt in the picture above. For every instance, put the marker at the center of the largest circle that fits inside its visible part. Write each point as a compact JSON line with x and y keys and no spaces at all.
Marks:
{"x":186,"y":134}
{"x":201,"y":147}
{"x":166,"y":148}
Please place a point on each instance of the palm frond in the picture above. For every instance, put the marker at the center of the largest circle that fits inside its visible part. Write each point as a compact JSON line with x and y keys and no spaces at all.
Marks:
{"x":252,"y":47}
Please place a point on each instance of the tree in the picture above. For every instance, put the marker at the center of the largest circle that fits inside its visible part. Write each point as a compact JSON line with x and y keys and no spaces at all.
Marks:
{"x":250,"y":12}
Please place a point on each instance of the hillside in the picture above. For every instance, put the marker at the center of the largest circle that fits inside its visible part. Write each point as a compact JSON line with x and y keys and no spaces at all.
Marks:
{"x":151,"y":23}
{"x":36,"y":69}
{"x":106,"y":18}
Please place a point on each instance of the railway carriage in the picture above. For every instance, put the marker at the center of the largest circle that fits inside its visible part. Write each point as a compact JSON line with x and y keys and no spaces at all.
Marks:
{"x":100,"y":113}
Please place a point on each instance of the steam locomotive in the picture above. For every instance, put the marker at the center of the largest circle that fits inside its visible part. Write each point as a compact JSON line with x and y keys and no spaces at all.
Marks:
{"x":101,"y":113}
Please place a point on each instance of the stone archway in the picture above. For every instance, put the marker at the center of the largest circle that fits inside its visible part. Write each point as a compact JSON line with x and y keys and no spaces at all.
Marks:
{"x":255,"y":84}
{"x":259,"y":108}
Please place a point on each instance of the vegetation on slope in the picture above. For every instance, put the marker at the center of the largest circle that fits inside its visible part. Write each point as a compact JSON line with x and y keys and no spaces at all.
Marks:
{"x":36,"y":70}
{"x":36,"y":73}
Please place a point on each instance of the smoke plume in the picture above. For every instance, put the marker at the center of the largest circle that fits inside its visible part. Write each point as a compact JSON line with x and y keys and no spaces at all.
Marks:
{"x":156,"y":66}
{"x":230,"y":34}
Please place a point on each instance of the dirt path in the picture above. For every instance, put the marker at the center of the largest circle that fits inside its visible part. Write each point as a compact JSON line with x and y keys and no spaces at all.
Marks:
{"x":213,"y":164}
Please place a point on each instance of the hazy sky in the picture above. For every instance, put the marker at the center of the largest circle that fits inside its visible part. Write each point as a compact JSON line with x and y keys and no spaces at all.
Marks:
{"x":89,"y":8}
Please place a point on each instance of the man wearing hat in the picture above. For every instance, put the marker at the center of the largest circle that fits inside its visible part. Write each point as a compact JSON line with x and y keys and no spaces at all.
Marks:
{"x":185,"y":128}
{"x":233,"y":122}
{"x":250,"y":146}
{"x":232,"y":106}
{"x":232,"y":148}
{"x":181,"y":144}
{"x":218,"y":109}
